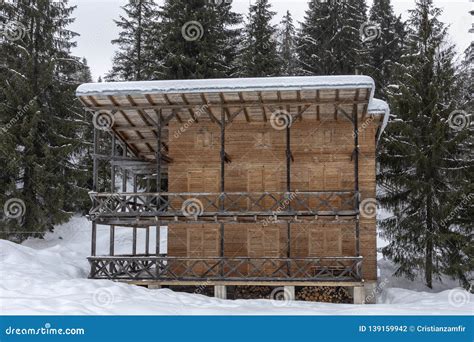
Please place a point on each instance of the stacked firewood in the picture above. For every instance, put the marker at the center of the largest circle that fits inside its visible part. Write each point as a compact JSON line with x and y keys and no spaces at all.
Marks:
{"x":327,"y":294}
{"x":252,"y":292}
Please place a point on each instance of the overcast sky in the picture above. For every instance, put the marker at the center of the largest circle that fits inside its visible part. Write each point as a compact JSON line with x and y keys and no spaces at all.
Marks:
{"x":94,"y":22}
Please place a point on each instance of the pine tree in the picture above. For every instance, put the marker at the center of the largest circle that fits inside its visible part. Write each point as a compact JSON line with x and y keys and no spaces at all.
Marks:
{"x":259,"y":53}
{"x":38,"y":114}
{"x":287,"y":48}
{"x":133,"y":61}
{"x":199,"y":39}
{"x":387,"y":48}
{"x":424,"y":162}
{"x":329,"y":41}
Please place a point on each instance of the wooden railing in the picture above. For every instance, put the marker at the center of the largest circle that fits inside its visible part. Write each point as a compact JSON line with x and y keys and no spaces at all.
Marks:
{"x":162,"y":268}
{"x":196,"y":205}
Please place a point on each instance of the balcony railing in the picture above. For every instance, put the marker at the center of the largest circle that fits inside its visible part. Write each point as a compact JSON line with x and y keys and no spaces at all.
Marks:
{"x":161,"y":268}
{"x":236,"y":204}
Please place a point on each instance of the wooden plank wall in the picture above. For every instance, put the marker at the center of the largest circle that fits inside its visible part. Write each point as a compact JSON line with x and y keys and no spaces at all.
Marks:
{"x":322,"y":152}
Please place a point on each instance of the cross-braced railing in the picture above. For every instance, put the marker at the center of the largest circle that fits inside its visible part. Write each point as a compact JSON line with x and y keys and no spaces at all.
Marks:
{"x":162,"y":268}
{"x":194,"y":205}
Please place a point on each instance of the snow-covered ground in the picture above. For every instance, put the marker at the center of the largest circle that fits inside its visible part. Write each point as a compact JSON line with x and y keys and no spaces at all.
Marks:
{"x":50,"y":277}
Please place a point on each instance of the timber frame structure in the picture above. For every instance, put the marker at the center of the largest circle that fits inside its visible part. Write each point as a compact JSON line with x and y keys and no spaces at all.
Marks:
{"x":142,"y":124}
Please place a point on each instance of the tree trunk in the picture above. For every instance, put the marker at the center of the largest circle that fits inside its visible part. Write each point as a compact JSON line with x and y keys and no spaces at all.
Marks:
{"x":429,"y":244}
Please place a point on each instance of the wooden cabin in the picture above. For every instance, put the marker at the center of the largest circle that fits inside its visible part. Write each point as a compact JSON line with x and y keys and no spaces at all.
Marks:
{"x":260,"y":181}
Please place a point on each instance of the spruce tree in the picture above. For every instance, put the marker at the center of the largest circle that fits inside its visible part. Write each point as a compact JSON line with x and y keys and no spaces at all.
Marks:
{"x":259,"y":53}
{"x":133,"y":61}
{"x":329,"y":41}
{"x":425,"y":164}
{"x":387,"y":47}
{"x":287,"y":46}
{"x":38,"y":116}
{"x":198,"y":39}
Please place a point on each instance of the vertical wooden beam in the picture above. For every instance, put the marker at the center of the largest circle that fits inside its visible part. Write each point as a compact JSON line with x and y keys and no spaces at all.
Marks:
{"x":124,"y":180}
{"x":157,"y":247}
{"x":222,"y":155}
{"x":288,"y":159}
{"x":134,"y":247}
{"x":356,"y":175}
{"x":94,"y":188}
{"x":147,"y":241}
{"x":112,"y":241}
{"x":288,"y":246}
{"x":94,"y":239}
{"x":112,"y":167}
{"x":158,"y":154}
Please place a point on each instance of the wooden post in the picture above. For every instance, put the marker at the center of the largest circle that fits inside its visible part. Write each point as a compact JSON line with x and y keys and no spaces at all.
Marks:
{"x":94,"y":188}
{"x":222,"y":158}
{"x":289,"y":293}
{"x":158,"y":155}
{"x":94,"y":239}
{"x":112,"y":167}
{"x":356,"y":175}
{"x":220,"y":291}
{"x":134,"y":247}
{"x":158,"y":239}
{"x":359,"y":295}
{"x":288,"y":159}
{"x":112,"y":240}
{"x":124,"y":180}
{"x":288,"y":247}
{"x":147,"y":241}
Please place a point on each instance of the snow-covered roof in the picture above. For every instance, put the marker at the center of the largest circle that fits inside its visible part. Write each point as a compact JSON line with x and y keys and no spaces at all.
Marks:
{"x":227,"y":85}
{"x":238,"y":85}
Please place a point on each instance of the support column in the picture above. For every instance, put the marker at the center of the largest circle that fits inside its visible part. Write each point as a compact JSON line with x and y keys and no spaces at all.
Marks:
{"x":158,"y":155}
{"x":222,"y":155}
{"x":147,"y":241}
{"x":134,"y":246}
{"x":112,"y":167}
{"x":94,"y":188}
{"x":124,"y":179}
{"x":356,"y":176}
{"x":112,"y":241}
{"x":157,"y":250}
{"x":220,"y":291}
{"x":288,"y":158}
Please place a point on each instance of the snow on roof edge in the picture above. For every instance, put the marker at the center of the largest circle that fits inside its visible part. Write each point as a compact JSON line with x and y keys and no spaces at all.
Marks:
{"x":377,"y":106}
{"x":225,"y":84}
